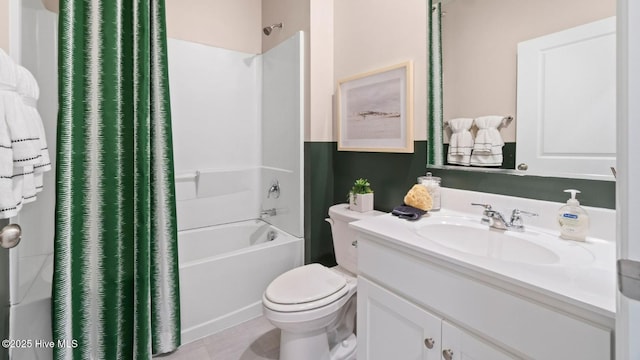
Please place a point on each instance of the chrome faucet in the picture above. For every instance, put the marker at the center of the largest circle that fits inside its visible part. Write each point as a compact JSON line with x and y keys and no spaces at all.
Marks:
{"x":496,"y":220}
{"x":274,"y":189}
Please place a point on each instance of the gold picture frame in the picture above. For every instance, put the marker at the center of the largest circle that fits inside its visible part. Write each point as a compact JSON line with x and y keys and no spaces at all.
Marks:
{"x":375,"y":110}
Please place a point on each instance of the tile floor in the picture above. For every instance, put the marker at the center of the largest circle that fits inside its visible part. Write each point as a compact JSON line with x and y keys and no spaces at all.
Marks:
{"x":255,"y":339}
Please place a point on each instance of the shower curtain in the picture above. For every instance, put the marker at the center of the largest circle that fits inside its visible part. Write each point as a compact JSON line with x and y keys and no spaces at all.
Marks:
{"x":435,"y":154}
{"x":115,"y":289}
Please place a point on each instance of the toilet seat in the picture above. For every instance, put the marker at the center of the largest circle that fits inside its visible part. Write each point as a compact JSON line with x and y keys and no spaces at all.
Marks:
{"x":305,"y":288}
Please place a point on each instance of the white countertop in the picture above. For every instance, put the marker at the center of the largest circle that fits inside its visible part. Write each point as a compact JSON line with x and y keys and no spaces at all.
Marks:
{"x":582,"y":282}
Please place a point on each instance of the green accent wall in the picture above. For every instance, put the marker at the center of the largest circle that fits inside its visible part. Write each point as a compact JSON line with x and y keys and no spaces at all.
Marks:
{"x":508,"y":155}
{"x":318,"y":197}
{"x":329,"y":174}
{"x":391,"y":174}
{"x":594,"y":193}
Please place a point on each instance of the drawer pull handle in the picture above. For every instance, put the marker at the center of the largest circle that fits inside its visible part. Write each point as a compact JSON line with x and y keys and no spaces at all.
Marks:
{"x":447,"y":354}
{"x":429,"y":343}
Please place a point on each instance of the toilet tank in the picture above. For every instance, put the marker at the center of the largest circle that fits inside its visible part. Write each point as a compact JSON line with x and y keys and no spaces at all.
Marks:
{"x":343,"y":236}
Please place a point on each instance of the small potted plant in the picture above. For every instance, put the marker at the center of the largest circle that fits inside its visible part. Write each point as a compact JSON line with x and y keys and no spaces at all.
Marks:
{"x":361,"y":196}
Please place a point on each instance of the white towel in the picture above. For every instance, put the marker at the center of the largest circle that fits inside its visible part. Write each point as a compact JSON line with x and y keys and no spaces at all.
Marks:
{"x":28,"y":189}
{"x":29,"y":91}
{"x":23,"y":149}
{"x":487,"y":149}
{"x":461,"y":141}
{"x":9,"y":206}
{"x":25,"y":139}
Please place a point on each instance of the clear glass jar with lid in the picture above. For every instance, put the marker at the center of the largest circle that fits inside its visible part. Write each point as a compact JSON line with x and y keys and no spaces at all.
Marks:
{"x":432,"y":183}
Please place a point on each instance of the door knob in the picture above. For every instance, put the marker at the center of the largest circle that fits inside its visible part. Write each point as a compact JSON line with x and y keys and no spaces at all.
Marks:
{"x":447,"y":354}
{"x":10,"y":236}
{"x":429,"y":343}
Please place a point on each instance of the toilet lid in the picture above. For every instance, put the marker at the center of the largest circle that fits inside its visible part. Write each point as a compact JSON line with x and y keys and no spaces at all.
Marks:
{"x":304,"y":284}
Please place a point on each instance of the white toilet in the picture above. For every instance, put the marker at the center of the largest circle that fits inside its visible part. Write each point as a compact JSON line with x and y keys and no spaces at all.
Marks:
{"x":315,"y":306}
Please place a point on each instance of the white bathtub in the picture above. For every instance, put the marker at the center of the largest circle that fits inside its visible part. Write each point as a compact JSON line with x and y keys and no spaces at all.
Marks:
{"x":224,"y":270}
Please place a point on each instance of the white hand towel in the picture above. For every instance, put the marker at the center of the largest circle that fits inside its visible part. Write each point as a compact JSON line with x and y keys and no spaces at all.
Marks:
{"x":487,"y":149}
{"x":27,"y":190}
{"x":25,"y":140}
{"x":461,"y":141}
{"x":8,"y":203}
{"x":9,"y":206}
{"x":30,"y":92}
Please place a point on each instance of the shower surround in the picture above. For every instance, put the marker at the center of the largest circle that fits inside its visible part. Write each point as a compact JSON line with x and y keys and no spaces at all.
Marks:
{"x":237,"y":128}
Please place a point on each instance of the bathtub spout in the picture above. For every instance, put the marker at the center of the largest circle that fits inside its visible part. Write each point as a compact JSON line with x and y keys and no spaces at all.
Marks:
{"x":268,"y":213}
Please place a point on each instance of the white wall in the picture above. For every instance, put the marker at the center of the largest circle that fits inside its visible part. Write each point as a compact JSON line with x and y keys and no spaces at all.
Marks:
{"x":372,"y":35}
{"x":232,"y":138}
{"x":319,"y":125}
{"x":282,"y":133}
{"x":32,"y":261}
{"x":293,"y":13}
{"x":225,"y":24}
{"x":4,"y":25}
{"x":39,"y":38}
{"x":627,"y":191}
{"x":215,"y":104}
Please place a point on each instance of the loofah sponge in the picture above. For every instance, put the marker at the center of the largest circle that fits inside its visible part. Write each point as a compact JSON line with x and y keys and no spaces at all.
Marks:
{"x":419,"y":198}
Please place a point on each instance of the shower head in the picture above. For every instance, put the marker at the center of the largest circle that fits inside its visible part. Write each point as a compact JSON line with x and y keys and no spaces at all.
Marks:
{"x":267,"y":30}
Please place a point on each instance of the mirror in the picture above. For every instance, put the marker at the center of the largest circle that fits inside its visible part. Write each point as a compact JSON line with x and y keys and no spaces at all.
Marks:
{"x":479,"y":42}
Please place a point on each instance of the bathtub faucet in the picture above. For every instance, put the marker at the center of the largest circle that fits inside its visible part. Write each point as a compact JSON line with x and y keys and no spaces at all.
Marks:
{"x":268,"y":213}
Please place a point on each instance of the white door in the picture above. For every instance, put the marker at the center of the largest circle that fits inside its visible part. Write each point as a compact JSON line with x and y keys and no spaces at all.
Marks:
{"x":566,"y":101}
{"x":390,"y":327}
{"x":460,"y":345}
{"x":627,"y":185}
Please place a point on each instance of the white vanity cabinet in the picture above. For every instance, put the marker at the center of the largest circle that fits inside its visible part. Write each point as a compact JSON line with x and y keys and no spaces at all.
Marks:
{"x":459,"y":344}
{"x":390,"y":327}
{"x":406,"y":297}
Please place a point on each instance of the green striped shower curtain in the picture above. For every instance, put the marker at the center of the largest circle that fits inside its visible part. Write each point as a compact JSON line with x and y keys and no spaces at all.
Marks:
{"x":435,"y":155}
{"x":115,"y":286}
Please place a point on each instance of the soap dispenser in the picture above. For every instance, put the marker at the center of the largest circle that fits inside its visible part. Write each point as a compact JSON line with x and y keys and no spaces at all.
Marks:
{"x":573,"y":219}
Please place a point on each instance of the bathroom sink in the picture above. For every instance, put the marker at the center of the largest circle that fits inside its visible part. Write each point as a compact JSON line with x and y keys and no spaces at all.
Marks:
{"x":529,"y":247}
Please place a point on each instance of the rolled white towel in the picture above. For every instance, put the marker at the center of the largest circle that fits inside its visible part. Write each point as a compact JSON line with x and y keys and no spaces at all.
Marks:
{"x":461,"y":142}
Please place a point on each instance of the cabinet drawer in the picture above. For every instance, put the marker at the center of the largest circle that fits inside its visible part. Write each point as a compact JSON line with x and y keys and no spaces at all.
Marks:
{"x":525,"y":327}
